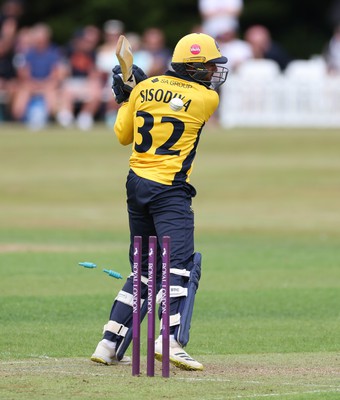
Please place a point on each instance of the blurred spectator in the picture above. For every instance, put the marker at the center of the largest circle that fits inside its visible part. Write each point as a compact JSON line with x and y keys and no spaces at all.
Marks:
{"x":93,"y":35}
{"x":105,"y":61}
{"x":215,"y":13}
{"x":263,"y":46}
{"x":197,"y":29}
{"x":10,"y":13}
{"x":153,"y":41}
{"x":141,"y":57}
{"x":22,"y":44}
{"x":236,"y":50}
{"x":39,"y":77}
{"x":82,"y":84}
{"x":332,"y":52}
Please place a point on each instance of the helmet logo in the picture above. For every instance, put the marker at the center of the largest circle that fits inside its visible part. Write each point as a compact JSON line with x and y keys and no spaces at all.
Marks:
{"x":195,"y":49}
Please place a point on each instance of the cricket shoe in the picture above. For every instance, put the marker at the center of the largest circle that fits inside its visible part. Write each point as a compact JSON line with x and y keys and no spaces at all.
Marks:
{"x":105,"y":353}
{"x":178,"y":357}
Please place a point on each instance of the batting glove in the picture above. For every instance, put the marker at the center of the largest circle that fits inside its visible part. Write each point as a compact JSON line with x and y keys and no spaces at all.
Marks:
{"x":121,"y":90}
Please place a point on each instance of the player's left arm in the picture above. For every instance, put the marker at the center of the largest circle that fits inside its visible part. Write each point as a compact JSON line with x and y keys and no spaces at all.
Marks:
{"x":122,"y":91}
{"x":124,"y":124}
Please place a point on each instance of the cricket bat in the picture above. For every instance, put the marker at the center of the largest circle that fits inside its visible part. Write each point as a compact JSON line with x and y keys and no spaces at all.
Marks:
{"x":125,"y":57}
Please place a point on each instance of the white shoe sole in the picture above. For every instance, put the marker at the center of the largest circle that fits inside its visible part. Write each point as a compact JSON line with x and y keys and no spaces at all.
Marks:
{"x":180,"y":363}
{"x":124,"y":361}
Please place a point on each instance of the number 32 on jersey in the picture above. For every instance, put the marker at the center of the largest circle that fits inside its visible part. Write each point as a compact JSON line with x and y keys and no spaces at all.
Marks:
{"x":146,"y":132}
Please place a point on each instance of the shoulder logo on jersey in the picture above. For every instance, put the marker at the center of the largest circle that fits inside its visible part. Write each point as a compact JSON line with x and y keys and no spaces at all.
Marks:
{"x":195,"y":49}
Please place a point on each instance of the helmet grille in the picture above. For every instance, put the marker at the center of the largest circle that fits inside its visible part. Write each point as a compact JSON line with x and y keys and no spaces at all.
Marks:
{"x":198,"y":72}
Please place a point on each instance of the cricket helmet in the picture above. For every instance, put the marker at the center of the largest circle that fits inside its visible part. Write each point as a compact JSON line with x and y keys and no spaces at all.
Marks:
{"x":191,"y":54}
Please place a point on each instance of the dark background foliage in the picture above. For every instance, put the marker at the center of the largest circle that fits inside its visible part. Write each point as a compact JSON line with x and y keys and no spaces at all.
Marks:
{"x":302,"y":26}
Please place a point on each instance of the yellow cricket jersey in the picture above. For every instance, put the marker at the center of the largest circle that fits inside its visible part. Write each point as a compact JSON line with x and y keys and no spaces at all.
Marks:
{"x":164,"y":141}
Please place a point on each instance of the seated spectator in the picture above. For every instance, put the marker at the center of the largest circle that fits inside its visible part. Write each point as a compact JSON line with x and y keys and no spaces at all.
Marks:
{"x":141,"y":57}
{"x":153,"y":41}
{"x":82,"y":85}
{"x":38,"y":73}
{"x":332,"y":53}
{"x":10,"y":13}
{"x":23,"y":44}
{"x":197,"y":28}
{"x":92,"y":34}
{"x":236,"y":49}
{"x":106,"y":60}
{"x":263,"y":46}
{"x":214,"y":13}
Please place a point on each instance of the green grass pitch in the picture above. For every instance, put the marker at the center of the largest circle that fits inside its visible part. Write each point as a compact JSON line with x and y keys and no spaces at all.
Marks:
{"x":267,"y":314}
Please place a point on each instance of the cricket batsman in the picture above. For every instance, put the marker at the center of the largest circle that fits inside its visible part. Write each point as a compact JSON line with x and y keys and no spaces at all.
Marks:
{"x":162,"y":117}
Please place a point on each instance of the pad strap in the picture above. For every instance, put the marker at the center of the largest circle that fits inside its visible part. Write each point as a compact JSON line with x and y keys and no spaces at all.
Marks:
{"x":115,"y":327}
{"x":175,"y":291}
{"x":125,"y":298}
{"x":178,"y":291}
{"x":181,"y":272}
{"x":144,"y":279}
{"x":174,"y":320}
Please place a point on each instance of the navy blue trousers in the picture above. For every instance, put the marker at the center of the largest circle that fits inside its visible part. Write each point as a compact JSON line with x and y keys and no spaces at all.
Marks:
{"x":161,"y":210}
{"x":158,"y":210}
